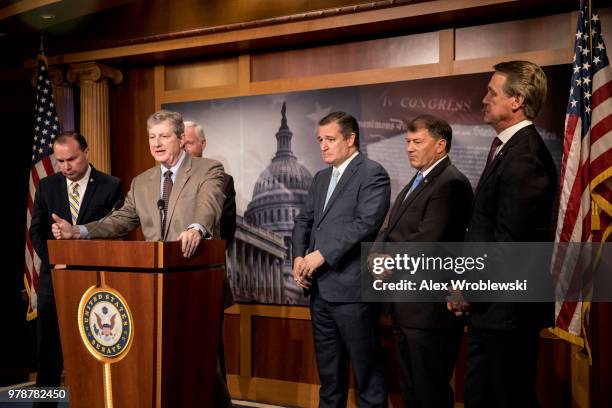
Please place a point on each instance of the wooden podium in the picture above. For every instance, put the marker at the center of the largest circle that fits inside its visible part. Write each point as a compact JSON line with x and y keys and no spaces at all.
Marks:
{"x":174,"y":307}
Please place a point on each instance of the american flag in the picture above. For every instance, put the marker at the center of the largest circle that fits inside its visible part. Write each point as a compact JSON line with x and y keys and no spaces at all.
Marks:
{"x":585,"y":206}
{"x":46,"y":128}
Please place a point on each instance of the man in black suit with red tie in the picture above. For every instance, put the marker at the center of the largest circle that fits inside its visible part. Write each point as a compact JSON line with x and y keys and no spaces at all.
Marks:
{"x":513,"y":203}
{"x":345,"y":206}
{"x":80,"y":193}
{"x":433,"y":207}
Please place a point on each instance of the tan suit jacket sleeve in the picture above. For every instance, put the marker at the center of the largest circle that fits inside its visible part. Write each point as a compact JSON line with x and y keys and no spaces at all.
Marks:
{"x":197,"y":198}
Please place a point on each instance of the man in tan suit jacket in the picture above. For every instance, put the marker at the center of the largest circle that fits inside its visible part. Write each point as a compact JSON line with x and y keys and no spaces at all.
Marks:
{"x":183,"y":195}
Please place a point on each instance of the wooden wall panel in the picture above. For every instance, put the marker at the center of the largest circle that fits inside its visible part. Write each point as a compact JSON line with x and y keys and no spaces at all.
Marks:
{"x":605,"y":15}
{"x":283,"y":349}
{"x":407,"y":50}
{"x":231,"y":343}
{"x":545,"y":33}
{"x":131,"y":103}
{"x":202,"y":74}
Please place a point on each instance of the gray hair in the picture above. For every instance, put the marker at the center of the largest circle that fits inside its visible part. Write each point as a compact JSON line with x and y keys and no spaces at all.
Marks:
{"x":175,"y":119}
{"x":199,"y":130}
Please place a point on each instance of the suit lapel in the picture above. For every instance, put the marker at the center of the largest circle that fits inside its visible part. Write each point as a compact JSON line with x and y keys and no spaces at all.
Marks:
{"x":152,"y":196}
{"x":514,"y":140}
{"x":398,"y":206}
{"x":427,"y":180}
{"x":62,"y":189}
{"x":488,"y":170}
{"x":89,"y":193}
{"x":182,"y":177}
{"x":344,"y":179}
{"x":321,"y":192}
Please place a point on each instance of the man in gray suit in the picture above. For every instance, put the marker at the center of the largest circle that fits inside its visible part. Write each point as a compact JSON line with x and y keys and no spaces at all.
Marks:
{"x":180,"y":200}
{"x":346,"y":205}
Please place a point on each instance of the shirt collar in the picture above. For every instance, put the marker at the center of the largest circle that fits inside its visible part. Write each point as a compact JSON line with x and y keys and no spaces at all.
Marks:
{"x":426,"y":172}
{"x":507,"y":133}
{"x":174,"y":169}
{"x":345,"y":164}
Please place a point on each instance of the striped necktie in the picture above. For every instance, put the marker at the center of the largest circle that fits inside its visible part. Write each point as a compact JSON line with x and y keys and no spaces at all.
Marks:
{"x":75,"y":201}
{"x":166,"y":191}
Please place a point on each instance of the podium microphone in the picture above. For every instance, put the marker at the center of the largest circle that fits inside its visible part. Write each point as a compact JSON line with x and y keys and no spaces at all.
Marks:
{"x":161,"y":206}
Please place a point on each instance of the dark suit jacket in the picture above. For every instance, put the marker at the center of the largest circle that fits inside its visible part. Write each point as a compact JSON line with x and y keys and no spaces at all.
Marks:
{"x":438,"y":210}
{"x":228,"y":216}
{"x":513,"y":203}
{"x":354,"y":214}
{"x":228,"y":229}
{"x":103,"y":192}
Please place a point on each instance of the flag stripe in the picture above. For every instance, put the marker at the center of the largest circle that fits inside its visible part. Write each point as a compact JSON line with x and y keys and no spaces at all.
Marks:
{"x":602,"y":94}
{"x":601,"y":128}
{"x":570,"y":171}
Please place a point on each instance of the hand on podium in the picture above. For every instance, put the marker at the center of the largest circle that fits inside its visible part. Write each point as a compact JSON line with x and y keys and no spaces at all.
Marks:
{"x":62,"y":229}
{"x":190,"y":239}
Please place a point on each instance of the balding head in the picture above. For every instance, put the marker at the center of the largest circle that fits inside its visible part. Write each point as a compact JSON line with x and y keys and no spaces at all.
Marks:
{"x":195,"y":140}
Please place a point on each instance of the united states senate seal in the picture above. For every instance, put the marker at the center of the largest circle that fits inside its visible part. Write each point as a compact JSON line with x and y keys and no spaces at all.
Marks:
{"x":105,"y":323}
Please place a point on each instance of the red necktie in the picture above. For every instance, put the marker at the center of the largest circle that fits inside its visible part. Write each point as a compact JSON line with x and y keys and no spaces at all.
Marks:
{"x":494,"y":145}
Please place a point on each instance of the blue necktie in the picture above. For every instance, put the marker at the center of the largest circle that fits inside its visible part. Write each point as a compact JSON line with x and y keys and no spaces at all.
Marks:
{"x":415,"y":183}
{"x":332,"y":186}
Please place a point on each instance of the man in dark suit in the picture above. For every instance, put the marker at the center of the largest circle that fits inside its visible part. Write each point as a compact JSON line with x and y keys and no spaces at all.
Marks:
{"x":79,"y":193}
{"x":345,"y":206}
{"x":195,"y":143}
{"x":433,"y":207}
{"x":513,"y":203}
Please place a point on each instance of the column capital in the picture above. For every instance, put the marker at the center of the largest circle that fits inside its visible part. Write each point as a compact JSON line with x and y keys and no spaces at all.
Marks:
{"x":56,"y":75}
{"x":93,"y":71}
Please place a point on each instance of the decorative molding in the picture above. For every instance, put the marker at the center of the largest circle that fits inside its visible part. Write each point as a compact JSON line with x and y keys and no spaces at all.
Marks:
{"x":369,"y":13}
{"x":292,"y":18}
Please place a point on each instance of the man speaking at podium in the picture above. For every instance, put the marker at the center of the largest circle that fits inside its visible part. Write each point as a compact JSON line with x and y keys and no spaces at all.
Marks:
{"x":180,"y":200}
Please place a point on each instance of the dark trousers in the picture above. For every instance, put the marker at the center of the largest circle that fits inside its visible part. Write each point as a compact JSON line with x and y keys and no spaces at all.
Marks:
{"x":50,"y":359}
{"x":343,"y":333}
{"x":502,"y":368}
{"x":426,"y":360}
